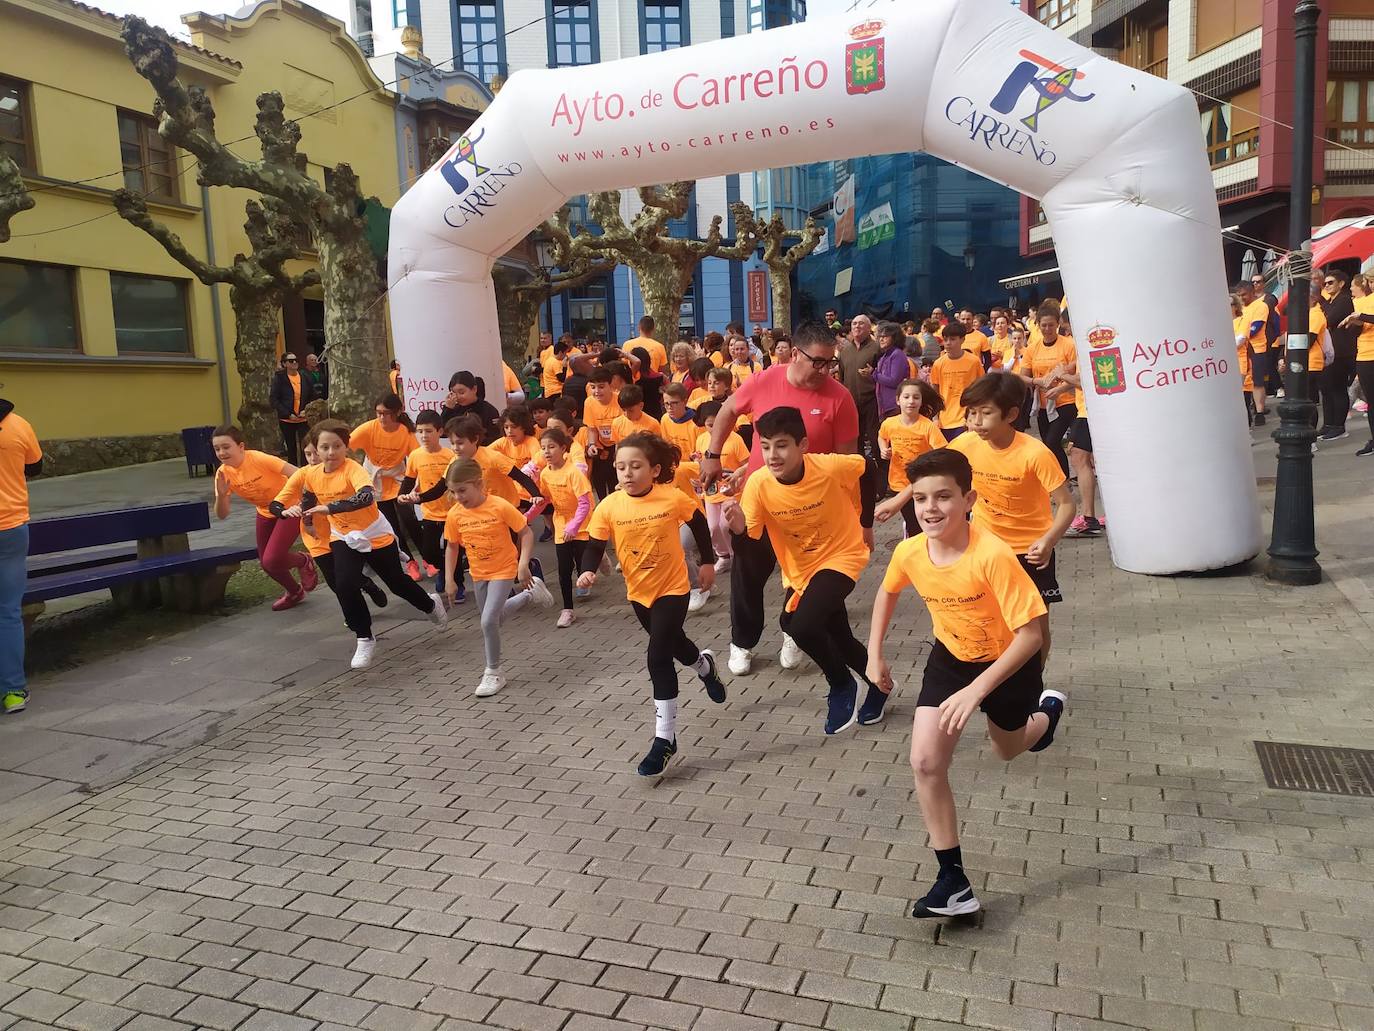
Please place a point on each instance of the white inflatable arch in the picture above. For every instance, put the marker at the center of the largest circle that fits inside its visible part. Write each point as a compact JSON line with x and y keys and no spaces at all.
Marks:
{"x":1114,"y":154}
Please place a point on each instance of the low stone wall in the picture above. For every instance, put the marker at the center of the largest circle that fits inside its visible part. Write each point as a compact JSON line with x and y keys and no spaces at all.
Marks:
{"x":61,"y":457}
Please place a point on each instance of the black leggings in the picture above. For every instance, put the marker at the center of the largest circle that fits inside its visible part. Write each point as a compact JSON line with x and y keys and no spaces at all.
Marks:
{"x":603,"y":476}
{"x":1052,"y":433}
{"x":909,"y":520}
{"x":431,"y":541}
{"x":1335,"y":390}
{"x":348,"y":583}
{"x":751,"y":566}
{"x":569,"y":564}
{"x":1022,"y":420}
{"x":404,"y":525}
{"x":820,"y":626}
{"x":293,"y":436}
{"x":1365,"y":372}
{"x":667,"y":642}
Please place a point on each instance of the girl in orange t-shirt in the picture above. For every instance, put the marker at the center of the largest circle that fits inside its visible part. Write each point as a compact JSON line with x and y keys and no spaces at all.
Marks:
{"x":386,"y":442}
{"x":570,"y":498}
{"x":359,"y":535}
{"x":257,"y":478}
{"x":642,"y":520}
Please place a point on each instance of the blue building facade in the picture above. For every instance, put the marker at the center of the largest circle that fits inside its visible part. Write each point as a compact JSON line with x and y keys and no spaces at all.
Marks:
{"x":952,"y":235}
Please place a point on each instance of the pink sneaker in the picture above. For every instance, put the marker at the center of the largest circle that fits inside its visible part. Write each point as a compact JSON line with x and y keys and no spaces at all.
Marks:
{"x":566,"y":619}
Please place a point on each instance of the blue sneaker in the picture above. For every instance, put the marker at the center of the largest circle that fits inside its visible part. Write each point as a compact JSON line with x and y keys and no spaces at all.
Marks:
{"x":843,"y":708}
{"x":950,"y":896}
{"x":1052,"y":705}
{"x":653,"y":764}
{"x":875,"y":703}
{"x":715,"y":689}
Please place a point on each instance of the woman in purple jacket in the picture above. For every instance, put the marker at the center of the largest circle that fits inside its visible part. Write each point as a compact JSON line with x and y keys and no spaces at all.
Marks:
{"x":891,"y":368}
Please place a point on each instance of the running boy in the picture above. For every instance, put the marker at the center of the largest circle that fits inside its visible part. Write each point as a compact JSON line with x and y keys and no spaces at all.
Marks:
{"x":1017,"y":481}
{"x":642,"y":519}
{"x":908,"y":434}
{"x":424,"y":485}
{"x":632,"y":418}
{"x":678,"y":425}
{"x":734,"y":454}
{"x":952,"y":372}
{"x":569,"y":493}
{"x":986,"y":613}
{"x":599,"y":414}
{"x":807,"y":509}
{"x":487,"y":528}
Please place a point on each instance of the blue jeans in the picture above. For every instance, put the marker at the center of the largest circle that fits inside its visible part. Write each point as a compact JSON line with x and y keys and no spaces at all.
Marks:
{"x":14,"y":550}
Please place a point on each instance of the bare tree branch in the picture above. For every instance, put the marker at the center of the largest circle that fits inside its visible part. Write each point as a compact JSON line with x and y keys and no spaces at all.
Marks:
{"x":14,"y":196}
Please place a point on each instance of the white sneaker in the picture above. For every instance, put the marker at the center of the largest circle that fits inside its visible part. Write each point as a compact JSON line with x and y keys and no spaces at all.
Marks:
{"x":539,"y":592}
{"x":362,"y":655}
{"x":492,"y":681}
{"x":566,"y":619}
{"x":697,"y":600}
{"x":792,"y":656}
{"x":741,"y":660}
{"x":439,"y":617}
{"x":723,"y":565}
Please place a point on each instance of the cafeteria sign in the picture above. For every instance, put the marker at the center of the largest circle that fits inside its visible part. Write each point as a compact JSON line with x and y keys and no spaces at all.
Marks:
{"x":876,"y":227}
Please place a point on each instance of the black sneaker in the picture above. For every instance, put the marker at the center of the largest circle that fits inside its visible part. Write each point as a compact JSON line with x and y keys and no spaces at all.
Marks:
{"x":871,"y":711}
{"x":374,"y":592}
{"x":1366,"y":451}
{"x":653,"y":764}
{"x":950,"y":896}
{"x":1259,"y":419}
{"x":1333,"y":433}
{"x":715,"y":688}
{"x":843,"y":710}
{"x":1052,"y":705}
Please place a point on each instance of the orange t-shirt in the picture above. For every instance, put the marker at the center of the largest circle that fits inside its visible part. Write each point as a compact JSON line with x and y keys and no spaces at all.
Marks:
{"x":686,"y":478}
{"x":549,"y":368}
{"x":950,"y":376}
{"x":658,"y":354}
{"x":699,"y":396}
{"x":976,"y":342}
{"x":734,"y":454}
{"x":977,"y":603}
{"x":599,"y":418}
{"x":428,"y":468}
{"x":623,"y":426}
{"x":1257,"y":311}
{"x":1000,"y":348}
{"x":1014,"y":487}
{"x":485,"y":533}
{"x":18,"y":448}
{"x":645,"y":533}
{"x":1365,"y":342}
{"x":740,"y":373}
{"x":392,"y":377}
{"x":1316,"y":324}
{"x":682,"y":434}
{"x":563,"y":487}
{"x":295,"y":382}
{"x":258,"y":480}
{"x":315,"y":535}
{"x":496,"y":469}
{"x":905,"y":443}
{"x":521,"y":454}
{"x":510,"y":381}
{"x":1243,"y":352}
{"x":328,"y":487}
{"x":385,"y":449}
{"x":812,"y":523}
{"x":1041,"y":358}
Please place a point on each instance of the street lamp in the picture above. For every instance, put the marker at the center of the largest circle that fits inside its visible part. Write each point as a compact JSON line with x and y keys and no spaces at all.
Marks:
{"x":544,"y":255}
{"x":1293,"y":545}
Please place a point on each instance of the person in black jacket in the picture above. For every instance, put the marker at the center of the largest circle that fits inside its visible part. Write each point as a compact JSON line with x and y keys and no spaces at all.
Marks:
{"x":291,"y":392}
{"x":467,"y":395}
{"x":1338,"y":306}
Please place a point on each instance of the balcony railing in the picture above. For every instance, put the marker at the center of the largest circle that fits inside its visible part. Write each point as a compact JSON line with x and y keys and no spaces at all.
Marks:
{"x":1159,"y":68}
{"x":1237,"y":148}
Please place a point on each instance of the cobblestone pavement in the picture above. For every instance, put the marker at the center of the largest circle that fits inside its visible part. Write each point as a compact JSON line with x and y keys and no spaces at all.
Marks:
{"x":385,"y":851}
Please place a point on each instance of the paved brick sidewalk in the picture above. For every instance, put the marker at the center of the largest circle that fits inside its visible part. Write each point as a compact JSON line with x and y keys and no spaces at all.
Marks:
{"x":385,"y":851}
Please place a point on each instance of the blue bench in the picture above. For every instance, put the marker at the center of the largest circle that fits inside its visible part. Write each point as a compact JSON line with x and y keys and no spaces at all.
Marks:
{"x":141,"y":555}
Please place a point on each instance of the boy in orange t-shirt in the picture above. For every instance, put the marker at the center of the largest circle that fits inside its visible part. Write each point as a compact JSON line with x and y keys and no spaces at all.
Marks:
{"x":951,"y":373}
{"x":642,"y":520}
{"x":985,"y":612}
{"x":423,"y":484}
{"x":804,"y":503}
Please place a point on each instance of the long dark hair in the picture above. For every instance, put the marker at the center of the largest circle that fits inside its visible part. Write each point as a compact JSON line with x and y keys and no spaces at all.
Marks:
{"x":393,"y":404}
{"x":470,"y":381}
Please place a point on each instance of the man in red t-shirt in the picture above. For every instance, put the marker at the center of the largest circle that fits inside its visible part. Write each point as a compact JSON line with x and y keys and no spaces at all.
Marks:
{"x":832,"y":427}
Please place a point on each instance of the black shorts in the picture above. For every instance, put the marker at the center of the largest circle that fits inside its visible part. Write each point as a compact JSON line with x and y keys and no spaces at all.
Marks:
{"x":1261,"y":364}
{"x":1080,"y":436}
{"x":1008,"y":707}
{"x":952,"y":432}
{"x":1044,"y":579}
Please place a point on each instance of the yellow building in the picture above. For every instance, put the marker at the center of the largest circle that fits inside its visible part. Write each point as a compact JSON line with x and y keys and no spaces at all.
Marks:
{"x":102,"y":334}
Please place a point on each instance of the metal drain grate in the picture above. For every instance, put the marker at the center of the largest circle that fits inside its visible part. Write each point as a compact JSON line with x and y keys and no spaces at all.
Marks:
{"x":1319,"y":768}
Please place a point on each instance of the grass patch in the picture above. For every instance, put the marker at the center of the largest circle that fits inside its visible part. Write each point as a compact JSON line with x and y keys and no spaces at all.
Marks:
{"x":70,"y":639}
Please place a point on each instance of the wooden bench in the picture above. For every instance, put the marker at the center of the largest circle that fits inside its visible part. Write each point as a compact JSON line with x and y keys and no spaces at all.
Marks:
{"x":141,"y":555}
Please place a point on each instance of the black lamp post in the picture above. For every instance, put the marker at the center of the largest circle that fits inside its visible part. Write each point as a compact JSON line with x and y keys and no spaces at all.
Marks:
{"x":1293,"y":545}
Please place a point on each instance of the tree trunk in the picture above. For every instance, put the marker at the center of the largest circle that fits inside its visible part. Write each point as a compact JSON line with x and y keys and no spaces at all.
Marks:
{"x":354,"y":325}
{"x":660,"y":284}
{"x":14,"y":197}
{"x":516,"y":313}
{"x":256,"y":318}
{"x":781,"y":282}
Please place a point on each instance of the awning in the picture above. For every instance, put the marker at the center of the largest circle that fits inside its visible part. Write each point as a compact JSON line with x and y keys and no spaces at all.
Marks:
{"x":1028,"y":279}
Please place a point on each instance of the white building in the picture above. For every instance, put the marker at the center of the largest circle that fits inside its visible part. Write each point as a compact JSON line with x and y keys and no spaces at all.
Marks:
{"x":493,"y":39}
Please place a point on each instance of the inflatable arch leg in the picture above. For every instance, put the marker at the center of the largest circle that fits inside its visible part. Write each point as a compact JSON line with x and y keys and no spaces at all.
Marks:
{"x":1113,"y":153}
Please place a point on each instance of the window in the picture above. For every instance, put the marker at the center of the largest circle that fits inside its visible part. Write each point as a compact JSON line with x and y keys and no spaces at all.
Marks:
{"x":405,"y":12}
{"x":150,"y":166}
{"x":663,"y":26}
{"x":149,"y":315}
{"x":572,"y":33}
{"x":1350,"y":112}
{"x":1231,"y":130}
{"x":1054,"y":13}
{"x":771,"y":14}
{"x":14,"y":123}
{"x":37,"y":307}
{"x":755,"y":15}
{"x":1219,"y":21}
{"x":481,"y":43}
{"x":577,"y":210}
{"x":587,"y":313}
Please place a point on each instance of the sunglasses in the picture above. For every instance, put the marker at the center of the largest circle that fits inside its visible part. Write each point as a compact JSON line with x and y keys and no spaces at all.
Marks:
{"x":819,"y":364}
{"x":1329,"y":282}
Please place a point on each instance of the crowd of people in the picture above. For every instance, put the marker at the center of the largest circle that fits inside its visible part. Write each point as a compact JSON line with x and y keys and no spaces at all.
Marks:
{"x":735,"y":455}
